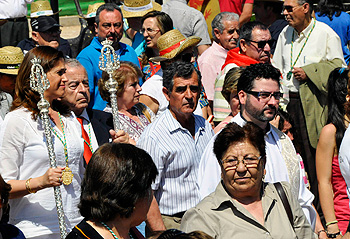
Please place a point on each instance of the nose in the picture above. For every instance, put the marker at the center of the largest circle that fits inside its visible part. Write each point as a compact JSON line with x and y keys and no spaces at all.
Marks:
{"x":267,"y":47}
{"x":241,"y":166}
{"x":138,"y":87}
{"x":112,"y":29}
{"x":82,"y":87}
{"x":188,"y":93}
{"x":273,"y":101}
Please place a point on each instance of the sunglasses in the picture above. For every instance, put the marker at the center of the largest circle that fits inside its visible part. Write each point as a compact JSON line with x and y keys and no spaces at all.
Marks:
{"x":187,"y":57}
{"x":290,"y":8}
{"x":262,"y":44}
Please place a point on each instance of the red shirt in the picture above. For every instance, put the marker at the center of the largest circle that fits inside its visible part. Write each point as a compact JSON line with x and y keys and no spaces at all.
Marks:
{"x":235,"y":6}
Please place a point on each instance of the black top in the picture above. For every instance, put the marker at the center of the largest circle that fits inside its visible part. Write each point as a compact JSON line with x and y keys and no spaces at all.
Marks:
{"x":28,"y":44}
{"x":82,"y":231}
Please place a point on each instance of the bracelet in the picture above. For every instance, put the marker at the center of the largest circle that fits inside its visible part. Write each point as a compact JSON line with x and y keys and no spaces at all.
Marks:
{"x":28,"y":186}
{"x":319,"y":232}
{"x":332,"y":222}
{"x":333,"y":235}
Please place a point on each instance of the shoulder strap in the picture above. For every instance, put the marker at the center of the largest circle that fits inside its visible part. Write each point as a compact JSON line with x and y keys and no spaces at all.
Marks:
{"x":285,"y":202}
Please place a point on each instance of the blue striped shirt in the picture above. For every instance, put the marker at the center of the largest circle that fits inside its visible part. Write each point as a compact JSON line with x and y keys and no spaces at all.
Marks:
{"x":177,"y":156}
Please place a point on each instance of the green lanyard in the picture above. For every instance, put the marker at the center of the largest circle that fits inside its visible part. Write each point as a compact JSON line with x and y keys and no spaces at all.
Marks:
{"x":289,"y":74}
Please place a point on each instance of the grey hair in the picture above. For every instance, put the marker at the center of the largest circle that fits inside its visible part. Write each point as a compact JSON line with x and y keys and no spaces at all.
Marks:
{"x":301,"y":2}
{"x":109,"y":7}
{"x":73,"y":63}
{"x":218,"y":21}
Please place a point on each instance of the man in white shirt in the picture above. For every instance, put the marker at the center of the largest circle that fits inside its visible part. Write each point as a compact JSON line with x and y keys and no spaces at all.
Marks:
{"x":259,"y":93}
{"x":306,"y":52}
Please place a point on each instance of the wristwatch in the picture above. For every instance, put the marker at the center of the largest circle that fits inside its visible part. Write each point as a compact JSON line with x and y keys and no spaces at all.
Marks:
{"x":333,"y":235}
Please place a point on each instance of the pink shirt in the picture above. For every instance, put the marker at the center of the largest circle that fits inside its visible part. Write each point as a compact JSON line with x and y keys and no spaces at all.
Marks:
{"x":235,"y":6}
{"x":210,"y":63}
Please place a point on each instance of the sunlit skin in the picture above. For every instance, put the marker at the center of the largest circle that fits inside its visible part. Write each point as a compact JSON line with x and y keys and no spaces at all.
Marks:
{"x":57,"y":78}
{"x":130,"y":95}
{"x":152,"y":36}
{"x":242,"y":182}
{"x":255,"y":110}
{"x":299,"y":17}
{"x":251,"y":48}
{"x":47,"y":39}
{"x":110,"y":26}
{"x":229,"y":36}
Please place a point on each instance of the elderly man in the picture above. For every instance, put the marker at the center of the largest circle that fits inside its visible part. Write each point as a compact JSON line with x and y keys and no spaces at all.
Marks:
{"x":254,"y":47}
{"x":259,"y":94}
{"x":45,"y":32}
{"x":109,"y":25}
{"x":225,"y":33}
{"x":176,"y":141}
{"x":306,"y":52}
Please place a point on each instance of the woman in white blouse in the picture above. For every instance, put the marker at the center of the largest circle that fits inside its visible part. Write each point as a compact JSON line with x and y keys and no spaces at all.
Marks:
{"x":24,"y":160}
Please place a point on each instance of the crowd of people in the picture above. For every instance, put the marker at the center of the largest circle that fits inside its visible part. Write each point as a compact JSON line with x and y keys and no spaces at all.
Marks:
{"x":242,"y":135}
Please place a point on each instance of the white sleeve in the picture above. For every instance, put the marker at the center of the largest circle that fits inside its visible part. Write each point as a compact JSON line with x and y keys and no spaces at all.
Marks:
{"x":305,"y":197}
{"x":209,"y":172}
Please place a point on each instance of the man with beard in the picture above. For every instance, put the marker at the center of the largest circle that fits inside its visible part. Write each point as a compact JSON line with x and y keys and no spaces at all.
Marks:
{"x":225,"y":33}
{"x":109,"y":25}
{"x":259,"y":94}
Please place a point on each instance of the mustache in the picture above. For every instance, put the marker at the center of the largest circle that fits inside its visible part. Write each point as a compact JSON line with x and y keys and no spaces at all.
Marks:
{"x":270,"y":107}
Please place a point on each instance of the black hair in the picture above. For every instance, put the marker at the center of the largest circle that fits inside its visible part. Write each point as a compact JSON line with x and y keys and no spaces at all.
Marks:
{"x":179,"y":69}
{"x":337,"y":92}
{"x":255,"y":72}
{"x":117,"y":176}
{"x":247,"y":30}
{"x":329,"y":8}
{"x":109,"y":7}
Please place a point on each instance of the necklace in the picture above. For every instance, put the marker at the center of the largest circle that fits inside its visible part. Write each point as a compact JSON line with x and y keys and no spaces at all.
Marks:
{"x":289,"y":74}
{"x":109,"y":229}
{"x":89,"y":144}
{"x":67,"y":175}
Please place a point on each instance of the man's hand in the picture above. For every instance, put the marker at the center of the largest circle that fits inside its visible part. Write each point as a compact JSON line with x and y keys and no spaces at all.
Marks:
{"x":299,"y":74}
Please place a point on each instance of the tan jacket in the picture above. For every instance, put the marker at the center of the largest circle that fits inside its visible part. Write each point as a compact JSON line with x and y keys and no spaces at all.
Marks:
{"x":222,"y":217}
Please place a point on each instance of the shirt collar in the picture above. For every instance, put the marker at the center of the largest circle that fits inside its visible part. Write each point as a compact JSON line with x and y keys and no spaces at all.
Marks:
{"x":85,"y":115}
{"x":306,"y":31}
{"x":174,"y":125}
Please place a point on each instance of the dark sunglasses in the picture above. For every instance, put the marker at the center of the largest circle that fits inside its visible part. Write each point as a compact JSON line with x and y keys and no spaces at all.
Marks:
{"x":185,"y":57}
{"x":262,"y":44}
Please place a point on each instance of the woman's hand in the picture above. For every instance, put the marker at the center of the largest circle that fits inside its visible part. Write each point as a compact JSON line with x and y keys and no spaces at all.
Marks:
{"x":52,"y":178}
{"x":120,"y":136}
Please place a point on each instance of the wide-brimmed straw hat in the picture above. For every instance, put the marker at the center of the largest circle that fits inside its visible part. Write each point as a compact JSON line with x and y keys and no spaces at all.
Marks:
{"x":92,"y":9}
{"x":41,"y":8}
{"x":10,"y":59}
{"x":132,"y":8}
{"x":172,"y":43}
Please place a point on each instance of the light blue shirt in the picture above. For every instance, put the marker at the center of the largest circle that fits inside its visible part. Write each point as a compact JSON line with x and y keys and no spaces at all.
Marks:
{"x":177,"y":155}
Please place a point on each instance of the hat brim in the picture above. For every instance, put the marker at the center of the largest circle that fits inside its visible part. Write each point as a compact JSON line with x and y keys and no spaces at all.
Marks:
{"x":9,"y":71}
{"x":156,"y":7}
{"x":189,"y":42}
{"x":47,"y":15}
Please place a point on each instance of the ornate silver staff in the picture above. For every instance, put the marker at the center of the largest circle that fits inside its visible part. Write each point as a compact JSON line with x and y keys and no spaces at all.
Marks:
{"x":109,"y":62}
{"x":40,"y":83}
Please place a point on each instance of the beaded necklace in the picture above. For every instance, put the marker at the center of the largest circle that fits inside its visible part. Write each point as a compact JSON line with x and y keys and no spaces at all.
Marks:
{"x":289,"y":74}
{"x":109,"y":229}
{"x":89,"y":144}
{"x":67,"y":175}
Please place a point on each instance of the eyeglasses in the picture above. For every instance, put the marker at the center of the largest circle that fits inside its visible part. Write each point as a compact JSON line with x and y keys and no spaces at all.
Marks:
{"x":262,"y":44}
{"x":265,"y":96}
{"x":187,"y":57}
{"x":290,"y":8}
{"x":248,"y":161}
{"x":149,"y":31}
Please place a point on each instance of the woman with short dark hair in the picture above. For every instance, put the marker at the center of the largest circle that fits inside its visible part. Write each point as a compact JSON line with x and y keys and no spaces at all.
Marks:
{"x":243,"y":205}
{"x":116,"y":192}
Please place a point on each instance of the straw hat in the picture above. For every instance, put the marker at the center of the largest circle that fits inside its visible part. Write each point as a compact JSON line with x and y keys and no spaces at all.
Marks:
{"x":92,"y":9}
{"x":138,"y":8}
{"x":172,"y":43}
{"x":10,"y":59}
{"x":41,"y":8}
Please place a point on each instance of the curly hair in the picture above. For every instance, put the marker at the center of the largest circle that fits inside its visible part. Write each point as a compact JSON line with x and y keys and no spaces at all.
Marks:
{"x":255,"y":72}
{"x":233,"y":133}
{"x":117,"y":176}
{"x":127,"y":70}
{"x":329,"y":8}
{"x":25,"y":96}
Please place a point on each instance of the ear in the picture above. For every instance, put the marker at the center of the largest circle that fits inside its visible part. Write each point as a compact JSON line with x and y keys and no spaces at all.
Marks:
{"x":242,"y":96}
{"x":35,"y":36}
{"x":306,"y":8}
{"x":166,"y":93}
{"x":217,"y":33}
{"x":96,"y":27}
{"x":243,"y":45}
{"x":347,"y":97}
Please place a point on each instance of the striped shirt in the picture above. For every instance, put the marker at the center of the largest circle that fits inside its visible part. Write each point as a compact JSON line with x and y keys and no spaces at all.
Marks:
{"x":177,"y":156}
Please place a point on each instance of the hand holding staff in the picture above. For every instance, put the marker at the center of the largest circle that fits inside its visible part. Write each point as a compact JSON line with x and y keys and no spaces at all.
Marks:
{"x":109,"y":62}
{"x":40,"y":83}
